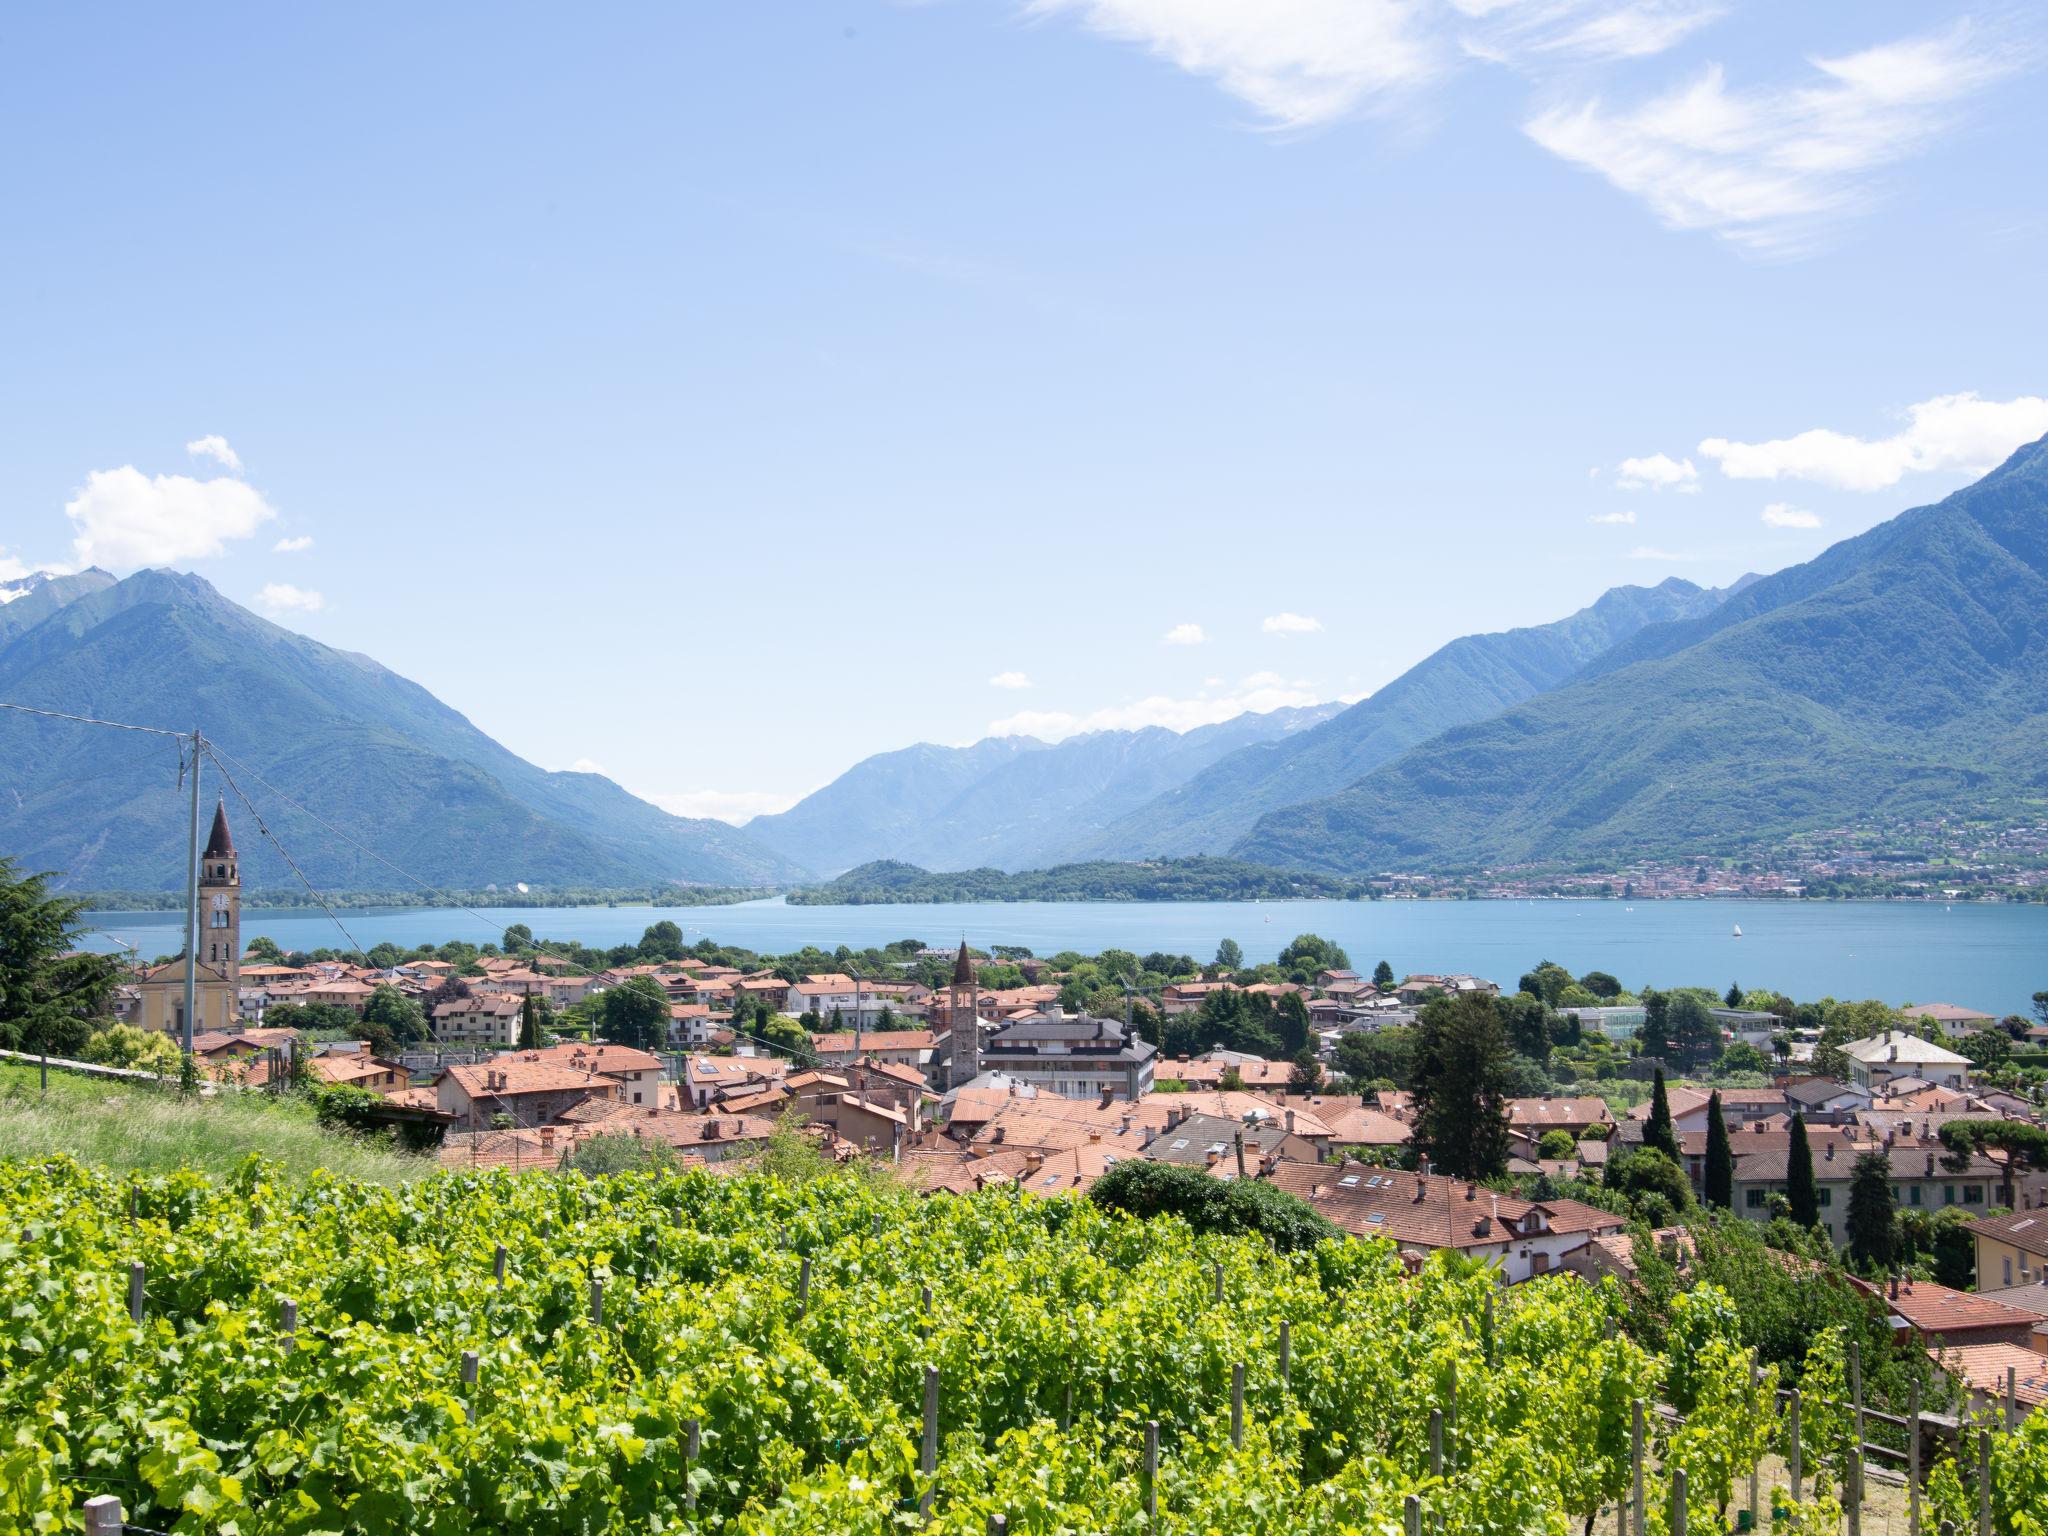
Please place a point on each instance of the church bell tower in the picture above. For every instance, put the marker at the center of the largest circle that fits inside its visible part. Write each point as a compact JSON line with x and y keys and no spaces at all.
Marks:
{"x":220,"y":902}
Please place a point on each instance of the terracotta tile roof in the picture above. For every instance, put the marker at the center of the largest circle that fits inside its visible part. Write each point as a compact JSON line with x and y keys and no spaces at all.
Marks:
{"x":1363,"y":1126}
{"x":1235,"y":1105}
{"x":2027,"y":1230}
{"x":841,"y":1044}
{"x":1936,"y":1309}
{"x":524,"y":1077}
{"x":1449,"y":1214}
{"x":598,"y":1056}
{"x":1982,"y":1368}
{"x":1554,"y":1112}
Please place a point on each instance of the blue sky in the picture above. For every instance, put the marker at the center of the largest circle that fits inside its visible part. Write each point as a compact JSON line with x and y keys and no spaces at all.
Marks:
{"x":718,"y":393}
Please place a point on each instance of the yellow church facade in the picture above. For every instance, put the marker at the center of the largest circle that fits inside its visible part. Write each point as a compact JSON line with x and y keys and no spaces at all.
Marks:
{"x":218,"y":1001}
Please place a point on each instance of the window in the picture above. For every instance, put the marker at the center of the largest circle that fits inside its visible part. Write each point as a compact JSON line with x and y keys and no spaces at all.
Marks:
{"x":2006,"y":1281}
{"x":1827,"y":1196}
{"x":1914,"y":1195}
{"x":1973,"y":1194}
{"x":1948,"y":1194}
{"x":1754,"y":1199}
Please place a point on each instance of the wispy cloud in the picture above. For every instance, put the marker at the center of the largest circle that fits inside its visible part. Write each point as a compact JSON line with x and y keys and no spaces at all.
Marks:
{"x":1620,"y":519}
{"x":1769,"y":168}
{"x":215,"y":447}
{"x":1961,"y":434}
{"x":733,"y":805}
{"x":1652,"y":552}
{"x":1291,"y":624}
{"x":1782,"y":514}
{"x":1184,"y":634}
{"x":1009,"y":680}
{"x":1256,"y":694}
{"x":1656,"y":472}
{"x":292,"y":546}
{"x":283,"y":597}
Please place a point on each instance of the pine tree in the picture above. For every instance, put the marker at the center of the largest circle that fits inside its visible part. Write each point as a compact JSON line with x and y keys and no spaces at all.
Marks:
{"x":1658,"y":1132}
{"x":1873,"y":1218}
{"x":1801,"y":1192}
{"x":1460,"y":1082}
{"x":1383,"y":976}
{"x":1734,"y":997}
{"x":1719,"y":1179}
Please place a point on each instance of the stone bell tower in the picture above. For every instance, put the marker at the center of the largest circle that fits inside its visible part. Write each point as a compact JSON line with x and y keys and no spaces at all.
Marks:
{"x":220,"y":904}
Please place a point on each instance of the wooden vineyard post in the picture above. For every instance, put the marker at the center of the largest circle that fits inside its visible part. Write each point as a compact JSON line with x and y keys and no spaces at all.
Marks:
{"x":1451,"y":1417}
{"x":1436,"y":1442}
{"x":288,"y":1326}
{"x":498,"y":1266}
{"x":136,"y":1278}
{"x":1411,"y":1516}
{"x":1218,"y":1297}
{"x":1756,"y":1378}
{"x":470,"y":1367}
{"x":1486,"y":1334}
{"x":925,"y":1300}
{"x":596,"y":1302}
{"x":928,"y":1448}
{"x":803,"y":1288}
{"x":998,"y":1525}
{"x":1637,"y":1508}
{"x":1793,"y":1453}
{"x":2012,"y":1398}
{"x":1983,"y":1482}
{"x":1913,"y":1462}
{"x":104,"y":1515}
{"x":1152,"y":1471}
{"x":1852,"y":1490}
{"x":1286,"y":1352}
{"x":692,"y":1445}
{"x":1678,"y":1501}
{"x":1237,"y":1406}
{"x":1856,"y":1397}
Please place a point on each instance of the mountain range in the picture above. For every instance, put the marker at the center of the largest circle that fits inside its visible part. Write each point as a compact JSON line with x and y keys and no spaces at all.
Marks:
{"x":361,"y":748}
{"x":1903,"y":672}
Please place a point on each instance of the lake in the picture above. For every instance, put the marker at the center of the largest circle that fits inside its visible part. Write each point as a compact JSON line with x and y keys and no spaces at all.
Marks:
{"x":1992,"y":958}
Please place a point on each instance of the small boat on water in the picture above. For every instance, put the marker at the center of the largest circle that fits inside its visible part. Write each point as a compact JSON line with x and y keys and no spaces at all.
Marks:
{"x":1738,"y":930}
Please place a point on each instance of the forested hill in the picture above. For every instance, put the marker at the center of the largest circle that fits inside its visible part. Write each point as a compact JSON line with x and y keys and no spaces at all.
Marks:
{"x":1468,"y":679}
{"x":1904,"y":672}
{"x":1199,"y":879}
{"x":362,"y":748}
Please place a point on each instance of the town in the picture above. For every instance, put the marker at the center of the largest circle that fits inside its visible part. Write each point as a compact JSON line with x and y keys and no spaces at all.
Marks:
{"x":1540,"y":1127}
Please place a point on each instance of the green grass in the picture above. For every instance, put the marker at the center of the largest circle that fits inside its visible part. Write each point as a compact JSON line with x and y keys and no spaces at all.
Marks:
{"x":143,"y":1129}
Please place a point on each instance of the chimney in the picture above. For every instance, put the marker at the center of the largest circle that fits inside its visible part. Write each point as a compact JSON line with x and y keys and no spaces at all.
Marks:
{"x":1094,"y":1135}
{"x":547,"y":1137}
{"x":1108,"y":1097}
{"x":1930,"y":1165}
{"x":1033,"y":1161}
{"x":1290,"y":1122}
{"x":1471,"y":1191}
{"x":1895,"y":1286}
{"x":1422,"y":1183}
{"x":1831,"y":1150}
{"x":1209,"y":1160}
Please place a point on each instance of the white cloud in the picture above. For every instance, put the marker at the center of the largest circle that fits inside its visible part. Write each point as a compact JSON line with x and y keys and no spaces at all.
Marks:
{"x":1657,"y":472}
{"x":1526,"y":31}
{"x":1770,"y":167}
{"x":1651,"y":552}
{"x":215,"y":447}
{"x":1009,"y":680}
{"x":1950,"y":433}
{"x":586,"y":765}
{"x":1622,"y":519}
{"x":292,"y":546}
{"x":283,"y":597}
{"x":1185,"y":634}
{"x":1291,"y":624}
{"x":1256,"y":694}
{"x":126,"y":518}
{"x":733,"y":805}
{"x":1782,"y":514}
{"x":1299,"y":63}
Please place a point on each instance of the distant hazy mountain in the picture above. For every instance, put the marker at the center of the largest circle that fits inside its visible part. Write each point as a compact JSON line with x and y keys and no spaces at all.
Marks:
{"x":1469,"y":679}
{"x":27,"y":602}
{"x":359,"y":746}
{"x":1004,"y":803}
{"x":1902,"y":672}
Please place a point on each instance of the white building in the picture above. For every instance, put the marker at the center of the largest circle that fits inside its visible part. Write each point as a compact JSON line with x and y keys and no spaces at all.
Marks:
{"x":1896,"y":1054}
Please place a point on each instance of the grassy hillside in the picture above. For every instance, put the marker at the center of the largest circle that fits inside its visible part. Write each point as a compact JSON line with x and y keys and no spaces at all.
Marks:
{"x":1905,"y":674}
{"x":153,"y":1131}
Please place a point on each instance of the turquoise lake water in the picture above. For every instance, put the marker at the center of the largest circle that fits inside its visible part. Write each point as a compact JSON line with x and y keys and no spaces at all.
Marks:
{"x":1992,"y":958}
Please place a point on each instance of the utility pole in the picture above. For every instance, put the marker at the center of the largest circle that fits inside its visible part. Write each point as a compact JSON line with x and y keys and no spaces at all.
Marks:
{"x":192,"y":901}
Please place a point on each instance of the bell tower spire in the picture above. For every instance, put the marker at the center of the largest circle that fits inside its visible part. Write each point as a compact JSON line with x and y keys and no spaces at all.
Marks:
{"x":220,"y":900}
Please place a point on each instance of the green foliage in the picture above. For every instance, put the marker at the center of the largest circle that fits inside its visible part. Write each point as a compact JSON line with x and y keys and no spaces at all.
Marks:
{"x":1308,"y":953}
{"x":1873,"y":1215}
{"x":49,"y":992}
{"x":1200,"y":878}
{"x":1718,"y":1178}
{"x":1376,"y":1055}
{"x":1802,"y":1192}
{"x":611,"y":1152}
{"x":143,"y":1050}
{"x":400,"y":1017}
{"x":1229,"y":957}
{"x":1383,"y":976}
{"x":635,"y":1013}
{"x":1557,"y":1144}
{"x":1460,"y":1086}
{"x":1651,"y":1182}
{"x":1659,"y":1134}
{"x":1231,"y":1207}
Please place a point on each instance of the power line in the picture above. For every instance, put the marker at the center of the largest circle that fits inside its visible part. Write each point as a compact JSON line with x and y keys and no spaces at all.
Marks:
{"x":229,"y":779}
{"x":118,"y":725}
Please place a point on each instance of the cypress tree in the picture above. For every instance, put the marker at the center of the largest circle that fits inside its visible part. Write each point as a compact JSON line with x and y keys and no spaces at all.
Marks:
{"x":1659,"y":1132}
{"x":1719,"y":1180}
{"x":529,"y":1024}
{"x":1873,"y":1218}
{"x":1801,"y":1192}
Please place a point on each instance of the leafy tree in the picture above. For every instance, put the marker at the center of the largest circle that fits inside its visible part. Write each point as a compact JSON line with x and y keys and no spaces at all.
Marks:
{"x":1307,"y":953}
{"x":1307,"y":1076}
{"x":1229,"y":957}
{"x":1802,"y":1194}
{"x":1718,"y":1180}
{"x":662,"y":941}
{"x":610,"y":1152}
{"x":635,"y":1013}
{"x":1461,"y":1086}
{"x":1647,"y":1172}
{"x":1987,"y":1048}
{"x":1653,"y":1035}
{"x":1383,"y":976}
{"x":1229,"y":1207}
{"x":1601,"y":985}
{"x":401,"y":1018}
{"x":264,"y":951}
{"x":1659,"y":1134}
{"x":48,"y":991}
{"x":786,"y":1037}
{"x":1375,"y":1056}
{"x":1740,"y":1056}
{"x":1694,"y":1032}
{"x":1733,"y":997}
{"x":141,"y":1050}
{"x":2041,"y":1006}
{"x":1528,"y":1024}
{"x":1290,"y":1014}
{"x":1557,"y":1144}
{"x":1873,"y":1217}
{"x":517,"y":938}
{"x":530,"y":1038}
{"x":1547,"y":981}
{"x":1231,"y":1080}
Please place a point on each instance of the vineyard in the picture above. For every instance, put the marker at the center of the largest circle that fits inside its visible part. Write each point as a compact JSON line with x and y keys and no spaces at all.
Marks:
{"x":479,"y":1353}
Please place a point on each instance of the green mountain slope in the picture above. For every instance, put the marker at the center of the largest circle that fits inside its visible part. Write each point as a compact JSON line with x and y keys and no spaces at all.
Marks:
{"x":359,"y":746}
{"x":1006,"y":802}
{"x":1904,"y":672}
{"x":1469,"y":679}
